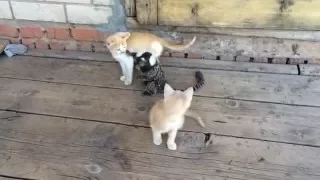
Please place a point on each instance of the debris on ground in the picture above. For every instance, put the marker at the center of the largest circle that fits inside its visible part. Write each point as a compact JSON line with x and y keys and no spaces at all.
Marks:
{"x":15,"y":49}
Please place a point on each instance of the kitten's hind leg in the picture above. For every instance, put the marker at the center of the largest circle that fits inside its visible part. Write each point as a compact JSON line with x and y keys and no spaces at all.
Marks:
{"x":151,"y":89}
{"x":171,"y":138}
{"x":157,"y":140}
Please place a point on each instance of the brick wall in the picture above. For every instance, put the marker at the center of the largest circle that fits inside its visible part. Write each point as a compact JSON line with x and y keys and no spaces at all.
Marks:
{"x":56,"y":36}
{"x":66,"y":11}
{"x":59,"y":24}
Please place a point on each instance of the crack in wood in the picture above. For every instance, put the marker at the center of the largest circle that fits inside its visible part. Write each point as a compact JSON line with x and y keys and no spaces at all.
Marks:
{"x":14,"y":177}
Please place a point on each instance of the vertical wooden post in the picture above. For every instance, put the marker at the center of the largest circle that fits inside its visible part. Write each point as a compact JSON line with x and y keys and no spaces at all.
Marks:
{"x":130,"y":6}
{"x":147,"y":11}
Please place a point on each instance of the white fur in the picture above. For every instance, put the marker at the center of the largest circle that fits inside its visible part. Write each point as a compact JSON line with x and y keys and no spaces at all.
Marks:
{"x":126,"y":64}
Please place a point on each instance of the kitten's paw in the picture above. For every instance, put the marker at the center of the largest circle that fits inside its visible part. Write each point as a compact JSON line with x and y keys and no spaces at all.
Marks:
{"x":146,"y":93}
{"x":157,"y":141}
{"x":123,"y":78}
{"x":172,"y":146}
{"x":126,"y":82}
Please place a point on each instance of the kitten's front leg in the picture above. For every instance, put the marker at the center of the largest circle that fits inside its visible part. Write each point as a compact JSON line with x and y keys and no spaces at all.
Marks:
{"x":123,"y":69}
{"x":129,"y":70}
{"x":157,"y":140}
{"x":171,"y":138}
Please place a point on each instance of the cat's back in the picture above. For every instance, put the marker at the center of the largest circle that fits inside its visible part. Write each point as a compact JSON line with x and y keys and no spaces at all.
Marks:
{"x":161,"y":119}
{"x":141,"y":39}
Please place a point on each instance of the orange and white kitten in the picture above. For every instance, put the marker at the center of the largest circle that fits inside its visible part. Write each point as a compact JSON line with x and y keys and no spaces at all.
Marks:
{"x":138,"y":42}
{"x":167,"y":115}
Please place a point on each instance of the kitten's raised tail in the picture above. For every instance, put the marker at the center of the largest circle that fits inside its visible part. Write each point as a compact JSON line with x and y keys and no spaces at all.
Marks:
{"x":200,"y":81}
{"x":176,"y":47}
{"x":195,"y":116}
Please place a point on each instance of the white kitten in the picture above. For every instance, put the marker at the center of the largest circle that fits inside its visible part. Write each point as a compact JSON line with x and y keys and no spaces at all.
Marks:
{"x":126,"y":63}
{"x":167,"y":115}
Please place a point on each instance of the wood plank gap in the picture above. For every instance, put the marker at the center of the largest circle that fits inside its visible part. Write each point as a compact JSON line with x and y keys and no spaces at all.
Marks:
{"x":147,"y":127}
{"x":299,"y":71}
{"x":13,"y":177}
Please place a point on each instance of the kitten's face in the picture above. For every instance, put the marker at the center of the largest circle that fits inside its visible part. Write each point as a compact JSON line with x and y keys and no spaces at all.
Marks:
{"x":117,"y":43}
{"x":179,"y":100}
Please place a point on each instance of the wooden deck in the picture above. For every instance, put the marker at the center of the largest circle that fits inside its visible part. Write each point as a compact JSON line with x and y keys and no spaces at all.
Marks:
{"x":70,"y":117}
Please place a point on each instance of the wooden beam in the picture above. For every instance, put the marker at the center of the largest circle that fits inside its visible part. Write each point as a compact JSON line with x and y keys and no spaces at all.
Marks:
{"x":147,"y":11}
{"x":286,"y":14}
{"x":130,"y":6}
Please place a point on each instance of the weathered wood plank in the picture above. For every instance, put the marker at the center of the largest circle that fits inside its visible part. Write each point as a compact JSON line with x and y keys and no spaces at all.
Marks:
{"x":230,"y":66}
{"x":74,"y":55}
{"x":147,"y":11}
{"x":177,"y":62}
{"x":130,"y":6}
{"x":286,"y":14}
{"x":287,"y":89}
{"x":310,"y":69}
{"x":43,"y":147}
{"x":273,"y":122}
{"x":133,"y":24}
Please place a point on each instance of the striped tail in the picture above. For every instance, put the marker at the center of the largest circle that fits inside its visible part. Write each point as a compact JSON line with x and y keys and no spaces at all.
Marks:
{"x":200,"y":81}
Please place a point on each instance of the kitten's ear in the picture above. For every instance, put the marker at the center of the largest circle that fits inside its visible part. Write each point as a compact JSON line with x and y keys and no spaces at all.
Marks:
{"x":125,"y":35}
{"x":167,"y":90}
{"x":189,"y":92}
{"x":109,"y":42}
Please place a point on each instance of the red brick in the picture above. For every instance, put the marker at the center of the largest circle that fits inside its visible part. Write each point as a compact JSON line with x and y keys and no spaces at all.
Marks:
{"x":56,"y":45}
{"x":178,"y":54}
{"x":15,"y":41}
{"x":51,"y":33}
{"x":278,"y":60}
{"x":85,"y":46}
{"x":227,"y":58}
{"x":99,"y":47}
{"x":71,"y":45}
{"x":85,"y":34}
{"x":243,"y":58}
{"x":42,"y":44}
{"x":60,"y":33}
{"x":31,"y":32}
{"x":194,"y":56}
{"x":261,"y":59}
{"x":29,"y":43}
{"x":297,"y":60}
{"x":8,"y":30}
{"x":102,"y":36}
{"x":166,"y":54}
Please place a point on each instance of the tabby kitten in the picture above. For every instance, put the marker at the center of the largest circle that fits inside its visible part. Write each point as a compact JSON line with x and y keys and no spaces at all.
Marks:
{"x":154,"y":77}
